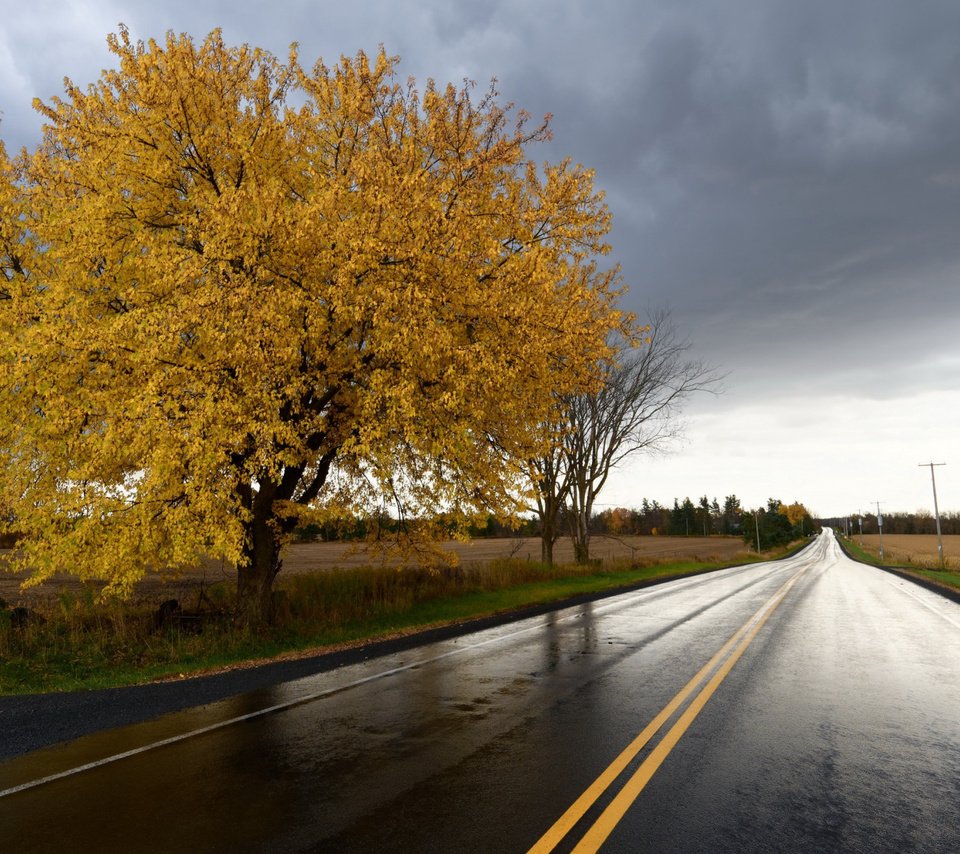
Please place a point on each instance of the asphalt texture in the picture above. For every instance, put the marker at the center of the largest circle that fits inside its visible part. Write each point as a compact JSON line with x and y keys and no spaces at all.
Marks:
{"x":29,"y":722}
{"x":823,"y":717}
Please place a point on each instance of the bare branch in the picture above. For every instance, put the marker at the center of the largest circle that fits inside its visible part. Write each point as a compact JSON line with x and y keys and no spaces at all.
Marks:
{"x":637,"y":408}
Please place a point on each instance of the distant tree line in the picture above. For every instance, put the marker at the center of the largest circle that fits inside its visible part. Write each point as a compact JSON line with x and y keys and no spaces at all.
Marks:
{"x":683,"y":519}
{"x":703,"y":519}
{"x":778,"y":523}
{"x":921,"y":522}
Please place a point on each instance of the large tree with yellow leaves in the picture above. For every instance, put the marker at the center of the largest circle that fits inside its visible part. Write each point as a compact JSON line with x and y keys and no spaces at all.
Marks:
{"x":238,"y":291}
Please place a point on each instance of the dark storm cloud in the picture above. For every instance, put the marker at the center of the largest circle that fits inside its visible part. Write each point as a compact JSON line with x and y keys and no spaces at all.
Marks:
{"x":774,"y":175}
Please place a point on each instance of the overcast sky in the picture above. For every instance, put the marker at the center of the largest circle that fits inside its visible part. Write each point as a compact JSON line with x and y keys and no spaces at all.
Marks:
{"x":784,"y":175}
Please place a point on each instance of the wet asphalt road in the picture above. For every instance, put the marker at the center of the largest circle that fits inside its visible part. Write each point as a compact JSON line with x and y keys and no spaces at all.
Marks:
{"x":831,"y":723}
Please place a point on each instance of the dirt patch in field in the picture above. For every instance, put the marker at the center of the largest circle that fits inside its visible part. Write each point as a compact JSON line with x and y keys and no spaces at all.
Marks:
{"x":324,"y":557}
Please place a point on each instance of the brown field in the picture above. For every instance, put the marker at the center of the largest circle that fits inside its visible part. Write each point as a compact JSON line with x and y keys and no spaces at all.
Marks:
{"x":917,"y":549}
{"x":313,"y":557}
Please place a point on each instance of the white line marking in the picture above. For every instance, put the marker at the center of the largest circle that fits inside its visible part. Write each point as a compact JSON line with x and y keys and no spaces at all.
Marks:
{"x":259,"y":713}
{"x":639,"y":594}
{"x":904,"y":589}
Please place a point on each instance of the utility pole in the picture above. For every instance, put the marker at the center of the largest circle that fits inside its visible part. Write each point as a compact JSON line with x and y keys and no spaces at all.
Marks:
{"x":880,"y":530}
{"x":860,"y":521}
{"x":756,"y":526}
{"x":936,"y":509}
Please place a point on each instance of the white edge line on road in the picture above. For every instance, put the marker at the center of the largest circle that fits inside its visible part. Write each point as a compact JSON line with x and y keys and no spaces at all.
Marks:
{"x":903,"y":588}
{"x":308,"y":698}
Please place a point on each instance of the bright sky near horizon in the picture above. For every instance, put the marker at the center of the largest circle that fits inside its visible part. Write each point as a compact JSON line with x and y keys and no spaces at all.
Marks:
{"x":784,"y":176}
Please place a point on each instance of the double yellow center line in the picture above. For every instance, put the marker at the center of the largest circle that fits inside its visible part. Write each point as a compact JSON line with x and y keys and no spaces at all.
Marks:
{"x":615,"y":811}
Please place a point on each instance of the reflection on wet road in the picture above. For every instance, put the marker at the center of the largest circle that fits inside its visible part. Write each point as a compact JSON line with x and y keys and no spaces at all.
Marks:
{"x":829,"y":722}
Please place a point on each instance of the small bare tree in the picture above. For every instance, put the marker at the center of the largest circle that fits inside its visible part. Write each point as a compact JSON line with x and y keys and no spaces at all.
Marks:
{"x":637,"y":407}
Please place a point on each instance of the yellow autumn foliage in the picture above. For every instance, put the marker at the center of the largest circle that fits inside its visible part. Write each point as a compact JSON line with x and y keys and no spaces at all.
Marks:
{"x":252,"y":289}
{"x":794,"y":512}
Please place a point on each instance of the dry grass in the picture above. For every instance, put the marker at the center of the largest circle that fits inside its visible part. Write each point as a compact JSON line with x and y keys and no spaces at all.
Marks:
{"x":313,"y":557}
{"x":915,"y":549}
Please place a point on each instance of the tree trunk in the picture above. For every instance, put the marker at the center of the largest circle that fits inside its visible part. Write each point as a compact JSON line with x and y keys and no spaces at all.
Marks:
{"x":550,"y":498}
{"x":547,"y":539}
{"x":580,"y":531}
{"x":260,"y":565}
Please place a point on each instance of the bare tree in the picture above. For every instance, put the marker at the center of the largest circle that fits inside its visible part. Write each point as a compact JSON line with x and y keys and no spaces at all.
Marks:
{"x":637,"y":407}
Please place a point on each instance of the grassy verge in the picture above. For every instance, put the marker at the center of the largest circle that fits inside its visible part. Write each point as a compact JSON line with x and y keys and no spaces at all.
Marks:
{"x":946,"y":578}
{"x":82,"y":644}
